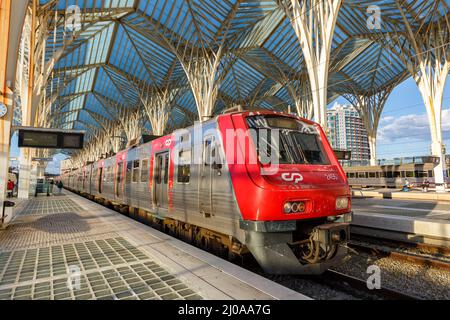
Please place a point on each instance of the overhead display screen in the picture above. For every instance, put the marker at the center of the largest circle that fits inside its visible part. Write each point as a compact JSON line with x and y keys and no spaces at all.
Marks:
{"x":38,"y":139}
{"x":50,"y":138}
{"x":71,"y":141}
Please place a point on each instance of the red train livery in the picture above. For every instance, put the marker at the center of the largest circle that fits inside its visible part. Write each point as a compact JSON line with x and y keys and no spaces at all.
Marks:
{"x":261,"y":182}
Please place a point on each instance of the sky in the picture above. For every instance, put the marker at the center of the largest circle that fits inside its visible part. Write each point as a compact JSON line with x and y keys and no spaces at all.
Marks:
{"x":403,"y":130}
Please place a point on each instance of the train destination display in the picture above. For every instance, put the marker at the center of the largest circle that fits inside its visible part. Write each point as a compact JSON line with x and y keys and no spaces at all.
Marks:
{"x":50,"y":138}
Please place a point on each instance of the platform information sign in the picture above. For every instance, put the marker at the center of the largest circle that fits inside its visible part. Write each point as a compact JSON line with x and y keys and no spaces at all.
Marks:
{"x":50,"y":138}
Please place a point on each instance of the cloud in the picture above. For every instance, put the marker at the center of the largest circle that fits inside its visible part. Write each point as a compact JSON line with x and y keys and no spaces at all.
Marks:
{"x":412,"y":127}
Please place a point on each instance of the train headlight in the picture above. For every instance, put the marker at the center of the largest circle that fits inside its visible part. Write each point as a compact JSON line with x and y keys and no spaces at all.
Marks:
{"x":287,"y":207}
{"x":294,"y":207}
{"x":341,"y":203}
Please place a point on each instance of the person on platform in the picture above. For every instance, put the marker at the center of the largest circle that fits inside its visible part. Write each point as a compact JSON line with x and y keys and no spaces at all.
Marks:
{"x":425,"y":185}
{"x":406,"y":186}
{"x":60,"y":185}
{"x":10,"y":188}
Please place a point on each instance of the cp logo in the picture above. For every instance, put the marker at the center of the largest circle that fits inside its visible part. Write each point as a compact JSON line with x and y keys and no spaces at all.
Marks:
{"x":289,"y":177}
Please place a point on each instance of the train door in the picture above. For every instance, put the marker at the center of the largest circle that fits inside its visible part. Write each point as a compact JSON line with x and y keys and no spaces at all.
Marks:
{"x":119,"y":178}
{"x":91,"y":173}
{"x":206,"y":175}
{"x":84,"y":179}
{"x":100,"y":179}
{"x":161,"y":179}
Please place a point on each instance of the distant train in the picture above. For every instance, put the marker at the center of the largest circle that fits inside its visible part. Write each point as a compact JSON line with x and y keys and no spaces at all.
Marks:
{"x":293,"y":220}
{"x":393,"y":175}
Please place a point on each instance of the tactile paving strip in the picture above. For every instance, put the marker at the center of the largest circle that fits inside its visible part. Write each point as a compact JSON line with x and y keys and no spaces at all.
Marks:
{"x":39,"y":206}
{"x":104,"y":269}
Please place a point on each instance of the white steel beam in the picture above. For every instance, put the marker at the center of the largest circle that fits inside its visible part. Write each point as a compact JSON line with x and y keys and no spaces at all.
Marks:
{"x":427,"y":58}
{"x":314,"y":22}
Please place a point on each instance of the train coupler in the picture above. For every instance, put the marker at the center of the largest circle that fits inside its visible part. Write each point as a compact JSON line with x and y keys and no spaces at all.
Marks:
{"x":331,"y":233}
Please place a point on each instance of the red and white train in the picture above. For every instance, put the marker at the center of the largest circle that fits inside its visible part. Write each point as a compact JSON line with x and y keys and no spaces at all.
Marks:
{"x":209,"y":184}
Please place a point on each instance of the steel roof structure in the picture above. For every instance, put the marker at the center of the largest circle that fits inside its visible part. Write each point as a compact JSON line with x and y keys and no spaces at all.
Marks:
{"x":162,"y":64}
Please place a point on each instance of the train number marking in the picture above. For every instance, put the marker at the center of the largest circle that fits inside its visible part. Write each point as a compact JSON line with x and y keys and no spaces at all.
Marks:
{"x":331,"y":176}
{"x":289,"y":177}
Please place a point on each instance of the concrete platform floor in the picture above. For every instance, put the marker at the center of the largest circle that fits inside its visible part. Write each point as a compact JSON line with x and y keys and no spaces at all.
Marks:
{"x":411,"y":208}
{"x":67,"y":247}
{"x":418,"y":220}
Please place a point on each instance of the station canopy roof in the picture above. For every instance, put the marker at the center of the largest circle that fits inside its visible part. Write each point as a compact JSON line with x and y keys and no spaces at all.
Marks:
{"x":124,"y":43}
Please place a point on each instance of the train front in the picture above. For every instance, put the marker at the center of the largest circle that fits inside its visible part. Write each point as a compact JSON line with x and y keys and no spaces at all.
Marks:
{"x":292,"y":193}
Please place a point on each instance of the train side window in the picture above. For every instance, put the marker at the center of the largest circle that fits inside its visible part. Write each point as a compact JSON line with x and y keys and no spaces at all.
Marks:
{"x":110,"y":174}
{"x":136,"y":171}
{"x":389,"y":174}
{"x":421,"y":174}
{"x":397,"y":174}
{"x":158,"y":166}
{"x":207,"y":152}
{"x":145,"y":170}
{"x":430,"y":173}
{"x":184,"y":167}
{"x":403,"y":174}
{"x":361,"y":174}
{"x":372,"y":174}
{"x":410,"y":174}
{"x":129,"y":169}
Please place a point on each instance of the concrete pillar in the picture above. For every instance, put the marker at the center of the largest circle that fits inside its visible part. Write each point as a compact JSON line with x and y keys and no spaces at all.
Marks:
{"x":5,"y":143}
{"x":433,"y":104}
{"x":429,"y":63}
{"x":431,"y":83}
{"x":12,"y":14}
{"x":314,"y":22}
{"x":25,"y":167}
{"x":41,"y":169}
{"x":373,"y":149}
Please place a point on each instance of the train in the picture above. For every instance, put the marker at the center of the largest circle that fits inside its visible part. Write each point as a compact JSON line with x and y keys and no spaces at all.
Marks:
{"x":212,"y":185}
{"x":393,"y":174}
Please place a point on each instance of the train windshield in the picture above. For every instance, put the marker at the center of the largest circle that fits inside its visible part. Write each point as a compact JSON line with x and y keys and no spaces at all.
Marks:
{"x":286,"y":140}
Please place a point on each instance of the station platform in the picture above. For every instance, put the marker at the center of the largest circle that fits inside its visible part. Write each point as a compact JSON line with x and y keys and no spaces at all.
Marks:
{"x":414,"y":194}
{"x":420,"y":221}
{"x":67,"y":247}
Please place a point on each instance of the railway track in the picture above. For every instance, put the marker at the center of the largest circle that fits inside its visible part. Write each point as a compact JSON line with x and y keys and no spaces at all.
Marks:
{"x":334,"y":280}
{"x":420,"y":254}
{"x":358,"y":287}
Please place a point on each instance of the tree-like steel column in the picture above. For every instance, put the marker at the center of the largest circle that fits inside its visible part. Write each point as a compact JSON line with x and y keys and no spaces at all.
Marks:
{"x":296,"y":84}
{"x":314,"y":22}
{"x":370,"y":106}
{"x":158,"y":103}
{"x":427,"y":57}
{"x":131,"y":121}
{"x":27,"y":93}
